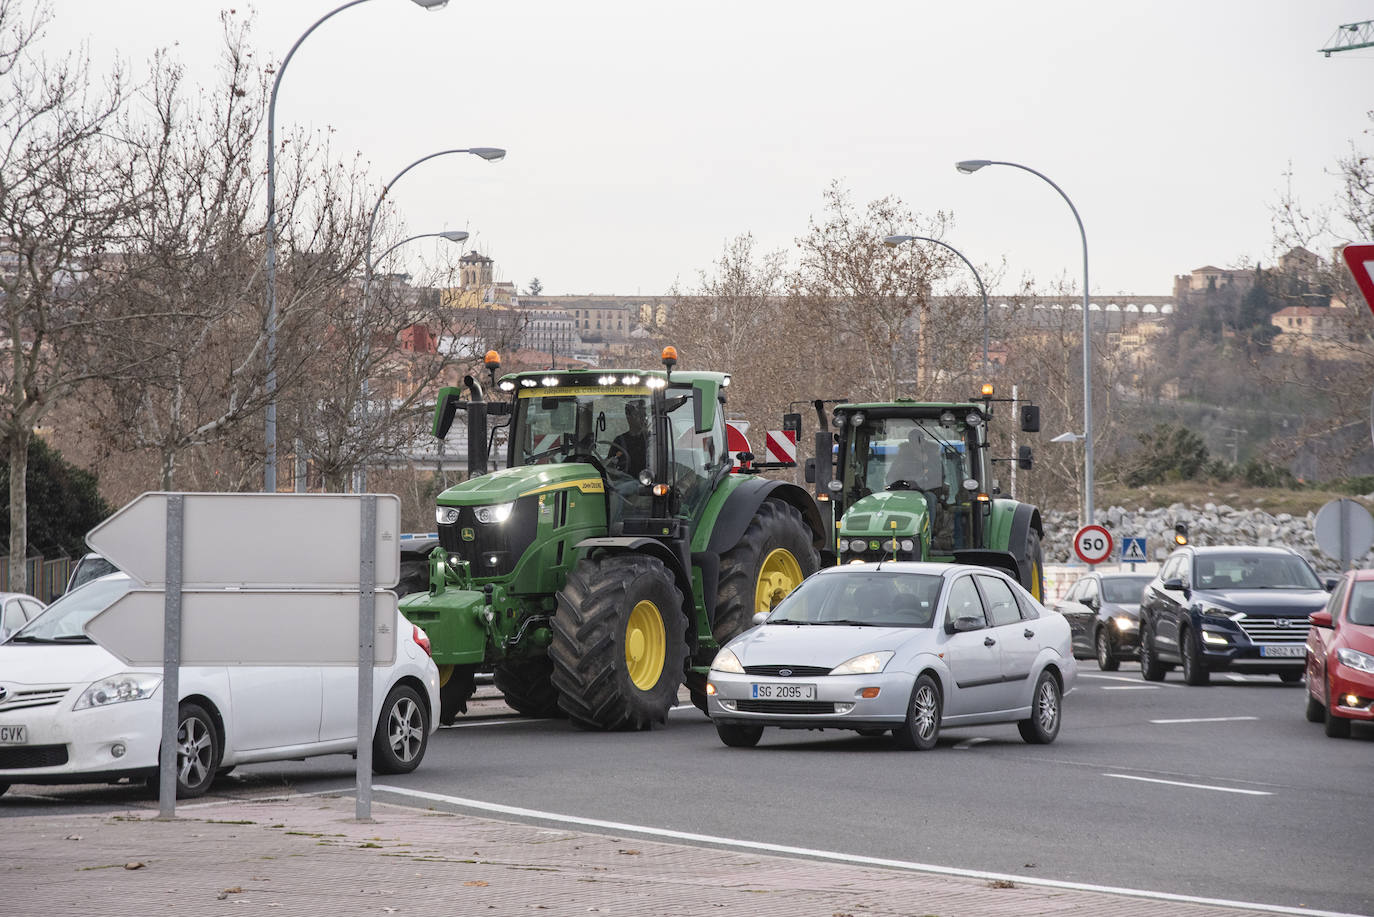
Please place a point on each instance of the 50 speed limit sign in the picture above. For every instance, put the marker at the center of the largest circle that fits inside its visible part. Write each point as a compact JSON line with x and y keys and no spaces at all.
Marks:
{"x":1092,"y":544}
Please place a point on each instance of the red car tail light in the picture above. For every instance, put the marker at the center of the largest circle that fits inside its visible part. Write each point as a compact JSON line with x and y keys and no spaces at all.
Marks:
{"x":422,"y":639}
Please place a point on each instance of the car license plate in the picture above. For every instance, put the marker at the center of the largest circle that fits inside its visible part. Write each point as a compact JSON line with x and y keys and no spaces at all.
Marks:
{"x":784,"y":692}
{"x":1287,"y":652}
{"x":14,"y":735}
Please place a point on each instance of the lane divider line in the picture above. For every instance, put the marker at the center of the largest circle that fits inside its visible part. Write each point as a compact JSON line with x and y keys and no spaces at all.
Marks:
{"x":1130,"y":687}
{"x":1194,"y":786}
{"x":969,"y":743}
{"x":1210,"y":719}
{"x":833,"y":856}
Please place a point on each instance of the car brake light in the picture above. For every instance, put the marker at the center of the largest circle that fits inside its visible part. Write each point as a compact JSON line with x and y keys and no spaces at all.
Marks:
{"x":422,"y":639}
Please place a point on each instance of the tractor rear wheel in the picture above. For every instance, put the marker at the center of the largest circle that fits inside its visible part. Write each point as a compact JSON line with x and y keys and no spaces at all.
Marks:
{"x":527,"y":686}
{"x":1035,"y":553}
{"x":618,"y":642}
{"x":772,"y":558}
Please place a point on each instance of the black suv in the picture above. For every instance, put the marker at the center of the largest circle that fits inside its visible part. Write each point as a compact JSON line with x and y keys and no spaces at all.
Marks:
{"x":1212,"y":609}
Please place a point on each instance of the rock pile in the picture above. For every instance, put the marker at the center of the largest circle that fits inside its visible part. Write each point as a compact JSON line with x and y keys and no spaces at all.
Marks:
{"x":1210,"y":524}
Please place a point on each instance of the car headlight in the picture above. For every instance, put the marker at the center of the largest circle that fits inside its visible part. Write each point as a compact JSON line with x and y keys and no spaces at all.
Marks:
{"x":1213,"y":611}
{"x":446,"y":515}
{"x":727,"y":661}
{"x":496,"y":512}
{"x":1124,"y":622}
{"x":867,"y":664}
{"x":117,"y":689}
{"x":1355,"y":659}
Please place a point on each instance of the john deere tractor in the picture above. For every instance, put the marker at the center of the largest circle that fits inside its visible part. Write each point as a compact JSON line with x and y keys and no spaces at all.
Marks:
{"x":914,"y":481}
{"x":608,"y":561}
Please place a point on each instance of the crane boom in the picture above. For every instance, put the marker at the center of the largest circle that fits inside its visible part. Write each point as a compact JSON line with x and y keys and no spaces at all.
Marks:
{"x":1349,"y":37}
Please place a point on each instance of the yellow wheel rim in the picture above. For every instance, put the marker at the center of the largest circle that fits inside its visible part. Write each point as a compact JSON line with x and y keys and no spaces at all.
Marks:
{"x":778,"y":576}
{"x":645,"y":645}
{"x":1037,"y":588}
{"x":445,"y":673}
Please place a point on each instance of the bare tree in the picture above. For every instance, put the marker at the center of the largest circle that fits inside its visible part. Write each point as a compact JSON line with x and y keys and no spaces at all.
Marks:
{"x":63,"y":191}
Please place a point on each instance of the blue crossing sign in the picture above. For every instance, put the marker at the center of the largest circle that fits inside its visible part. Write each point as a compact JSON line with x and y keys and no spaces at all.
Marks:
{"x":1133,"y":551}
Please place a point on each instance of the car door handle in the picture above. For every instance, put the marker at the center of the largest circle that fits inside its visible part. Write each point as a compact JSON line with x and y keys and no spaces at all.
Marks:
{"x":1028,"y":633}
{"x":988,"y":641}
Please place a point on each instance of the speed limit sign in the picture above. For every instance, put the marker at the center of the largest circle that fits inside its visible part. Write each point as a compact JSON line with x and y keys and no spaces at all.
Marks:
{"x":1092,"y":544}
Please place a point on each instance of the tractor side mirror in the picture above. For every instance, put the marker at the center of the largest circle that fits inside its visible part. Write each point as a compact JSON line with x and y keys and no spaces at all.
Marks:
{"x":792,"y":422}
{"x":810,"y":471}
{"x":1023,"y":458}
{"x":447,"y":408}
{"x":1030,"y":418}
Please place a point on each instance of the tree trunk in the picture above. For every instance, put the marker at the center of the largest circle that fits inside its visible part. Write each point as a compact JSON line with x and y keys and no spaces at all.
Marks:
{"x":19,"y":508}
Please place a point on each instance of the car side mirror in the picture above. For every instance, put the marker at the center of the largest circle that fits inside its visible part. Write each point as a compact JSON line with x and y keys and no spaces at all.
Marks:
{"x":1330,"y":582}
{"x":1173,"y":585}
{"x":1320,"y":619}
{"x":967,"y":623}
{"x":760,"y":617}
{"x":1089,"y":601}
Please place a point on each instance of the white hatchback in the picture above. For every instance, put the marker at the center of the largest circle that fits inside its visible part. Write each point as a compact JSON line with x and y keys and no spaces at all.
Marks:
{"x":70,"y":712}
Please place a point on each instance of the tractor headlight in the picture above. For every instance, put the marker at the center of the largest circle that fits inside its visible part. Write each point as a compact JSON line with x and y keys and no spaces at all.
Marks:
{"x":446,"y":515}
{"x":867,"y":664}
{"x":496,"y":512}
{"x":907,"y":545}
{"x":727,"y":661}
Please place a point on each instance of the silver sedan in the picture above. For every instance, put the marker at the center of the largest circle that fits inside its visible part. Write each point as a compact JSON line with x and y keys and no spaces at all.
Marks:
{"x":905,"y":647}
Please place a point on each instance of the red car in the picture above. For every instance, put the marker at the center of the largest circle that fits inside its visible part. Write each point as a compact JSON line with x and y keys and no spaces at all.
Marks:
{"x":1340,"y":656}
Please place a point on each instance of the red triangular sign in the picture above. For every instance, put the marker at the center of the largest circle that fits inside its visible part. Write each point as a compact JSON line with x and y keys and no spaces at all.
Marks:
{"x":1360,"y":260}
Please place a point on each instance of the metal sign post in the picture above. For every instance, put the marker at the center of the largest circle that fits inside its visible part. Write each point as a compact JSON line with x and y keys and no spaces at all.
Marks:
{"x":367,"y":607}
{"x":171,"y":663}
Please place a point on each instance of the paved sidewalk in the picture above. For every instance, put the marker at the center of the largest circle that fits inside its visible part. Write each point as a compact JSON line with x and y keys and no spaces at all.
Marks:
{"x":307,"y":855}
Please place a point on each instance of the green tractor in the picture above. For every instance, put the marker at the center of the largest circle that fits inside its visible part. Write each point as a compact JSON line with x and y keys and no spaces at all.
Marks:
{"x":913,"y":481}
{"x":615,"y":552}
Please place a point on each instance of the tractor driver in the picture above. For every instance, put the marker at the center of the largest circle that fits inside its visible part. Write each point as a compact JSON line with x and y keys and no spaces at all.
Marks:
{"x":629,"y":451}
{"x":918,"y":463}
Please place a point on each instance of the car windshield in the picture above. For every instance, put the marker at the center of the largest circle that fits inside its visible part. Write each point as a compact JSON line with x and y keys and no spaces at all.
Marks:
{"x":1124,"y":590}
{"x":1361,"y":609}
{"x":866,"y":598}
{"x":1252,"y":571}
{"x":66,"y":617}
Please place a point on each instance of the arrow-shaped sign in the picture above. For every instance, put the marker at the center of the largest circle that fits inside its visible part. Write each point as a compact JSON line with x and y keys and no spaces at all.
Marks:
{"x":1360,"y":260}
{"x":300,"y":541}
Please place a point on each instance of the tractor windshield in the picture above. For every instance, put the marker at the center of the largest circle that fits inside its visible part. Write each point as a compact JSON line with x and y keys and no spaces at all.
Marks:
{"x":573,"y":424}
{"x":904,"y":453}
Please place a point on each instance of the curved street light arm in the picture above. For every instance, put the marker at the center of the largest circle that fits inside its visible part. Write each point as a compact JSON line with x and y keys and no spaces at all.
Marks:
{"x":976,"y":277}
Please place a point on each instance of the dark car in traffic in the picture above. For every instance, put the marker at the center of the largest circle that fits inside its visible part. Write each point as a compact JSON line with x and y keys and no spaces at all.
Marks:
{"x":1214,"y":609}
{"x":1103,"y":611}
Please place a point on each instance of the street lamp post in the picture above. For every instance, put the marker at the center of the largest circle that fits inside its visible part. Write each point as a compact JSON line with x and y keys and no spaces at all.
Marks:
{"x":363,"y":386}
{"x":270,"y":471}
{"x":488,"y":153}
{"x":894,"y":241}
{"x":969,"y":166}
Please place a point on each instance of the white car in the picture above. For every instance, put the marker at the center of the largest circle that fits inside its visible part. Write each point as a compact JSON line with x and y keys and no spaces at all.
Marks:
{"x":70,"y":712}
{"x":907,"y":648}
{"x":16,"y":610}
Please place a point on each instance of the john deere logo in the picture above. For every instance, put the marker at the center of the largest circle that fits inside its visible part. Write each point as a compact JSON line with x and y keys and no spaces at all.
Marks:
{"x":874,"y":545}
{"x":468,"y":534}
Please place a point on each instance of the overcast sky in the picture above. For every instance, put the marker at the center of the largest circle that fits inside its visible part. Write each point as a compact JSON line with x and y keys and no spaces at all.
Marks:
{"x":645,"y":135}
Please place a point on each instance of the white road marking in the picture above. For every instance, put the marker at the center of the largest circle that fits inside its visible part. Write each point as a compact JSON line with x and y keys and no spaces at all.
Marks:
{"x":830,"y":855}
{"x":1130,"y":687}
{"x":1210,"y":719}
{"x":1194,"y":786}
{"x":969,"y":743}
{"x":523,"y":719}
{"x":1235,"y":677}
{"x":1161,"y":684}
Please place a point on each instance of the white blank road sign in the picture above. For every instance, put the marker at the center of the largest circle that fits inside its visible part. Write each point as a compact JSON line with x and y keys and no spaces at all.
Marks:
{"x":262,"y":540}
{"x":242,"y":627}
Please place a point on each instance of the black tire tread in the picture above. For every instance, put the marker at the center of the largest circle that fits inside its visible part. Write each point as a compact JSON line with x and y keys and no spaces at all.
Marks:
{"x":588,"y":657}
{"x":527,"y":686}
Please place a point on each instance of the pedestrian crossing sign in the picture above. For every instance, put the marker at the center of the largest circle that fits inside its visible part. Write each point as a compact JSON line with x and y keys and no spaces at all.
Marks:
{"x":1133,"y":551}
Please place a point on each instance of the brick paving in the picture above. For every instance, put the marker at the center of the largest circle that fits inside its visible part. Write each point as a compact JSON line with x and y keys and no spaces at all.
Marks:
{"x":308,"y":855}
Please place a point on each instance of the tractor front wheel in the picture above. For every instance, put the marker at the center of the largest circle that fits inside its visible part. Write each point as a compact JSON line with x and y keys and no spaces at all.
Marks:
{"x":1035,"y":554}
{"x":772,"y":558}
{"x":526,"y":685}
{"x":618,"y":642}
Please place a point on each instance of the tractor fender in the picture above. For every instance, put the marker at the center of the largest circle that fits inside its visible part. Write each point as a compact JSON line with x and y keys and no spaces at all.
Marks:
{"x":998,"y":560}
{"x":653,"y":548}
{"x":744,"y":501}
{"x":1025,"y":519}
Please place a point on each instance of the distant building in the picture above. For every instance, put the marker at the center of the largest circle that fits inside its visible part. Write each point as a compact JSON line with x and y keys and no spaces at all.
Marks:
{"x":1210,"y":278}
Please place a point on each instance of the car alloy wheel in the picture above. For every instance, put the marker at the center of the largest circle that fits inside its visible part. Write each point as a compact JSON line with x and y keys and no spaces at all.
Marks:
{"x":1046,"y":704}
{"x":198,"y":751}
{"x":1151,"y":669}
{"x":1194,"y":672}
{"x":402,"y":735}
{"x":1106,"y":658}
{"x":922,"y":727}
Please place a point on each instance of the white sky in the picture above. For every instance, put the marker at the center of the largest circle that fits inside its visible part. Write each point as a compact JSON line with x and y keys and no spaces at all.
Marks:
{"x":645,"y":135}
